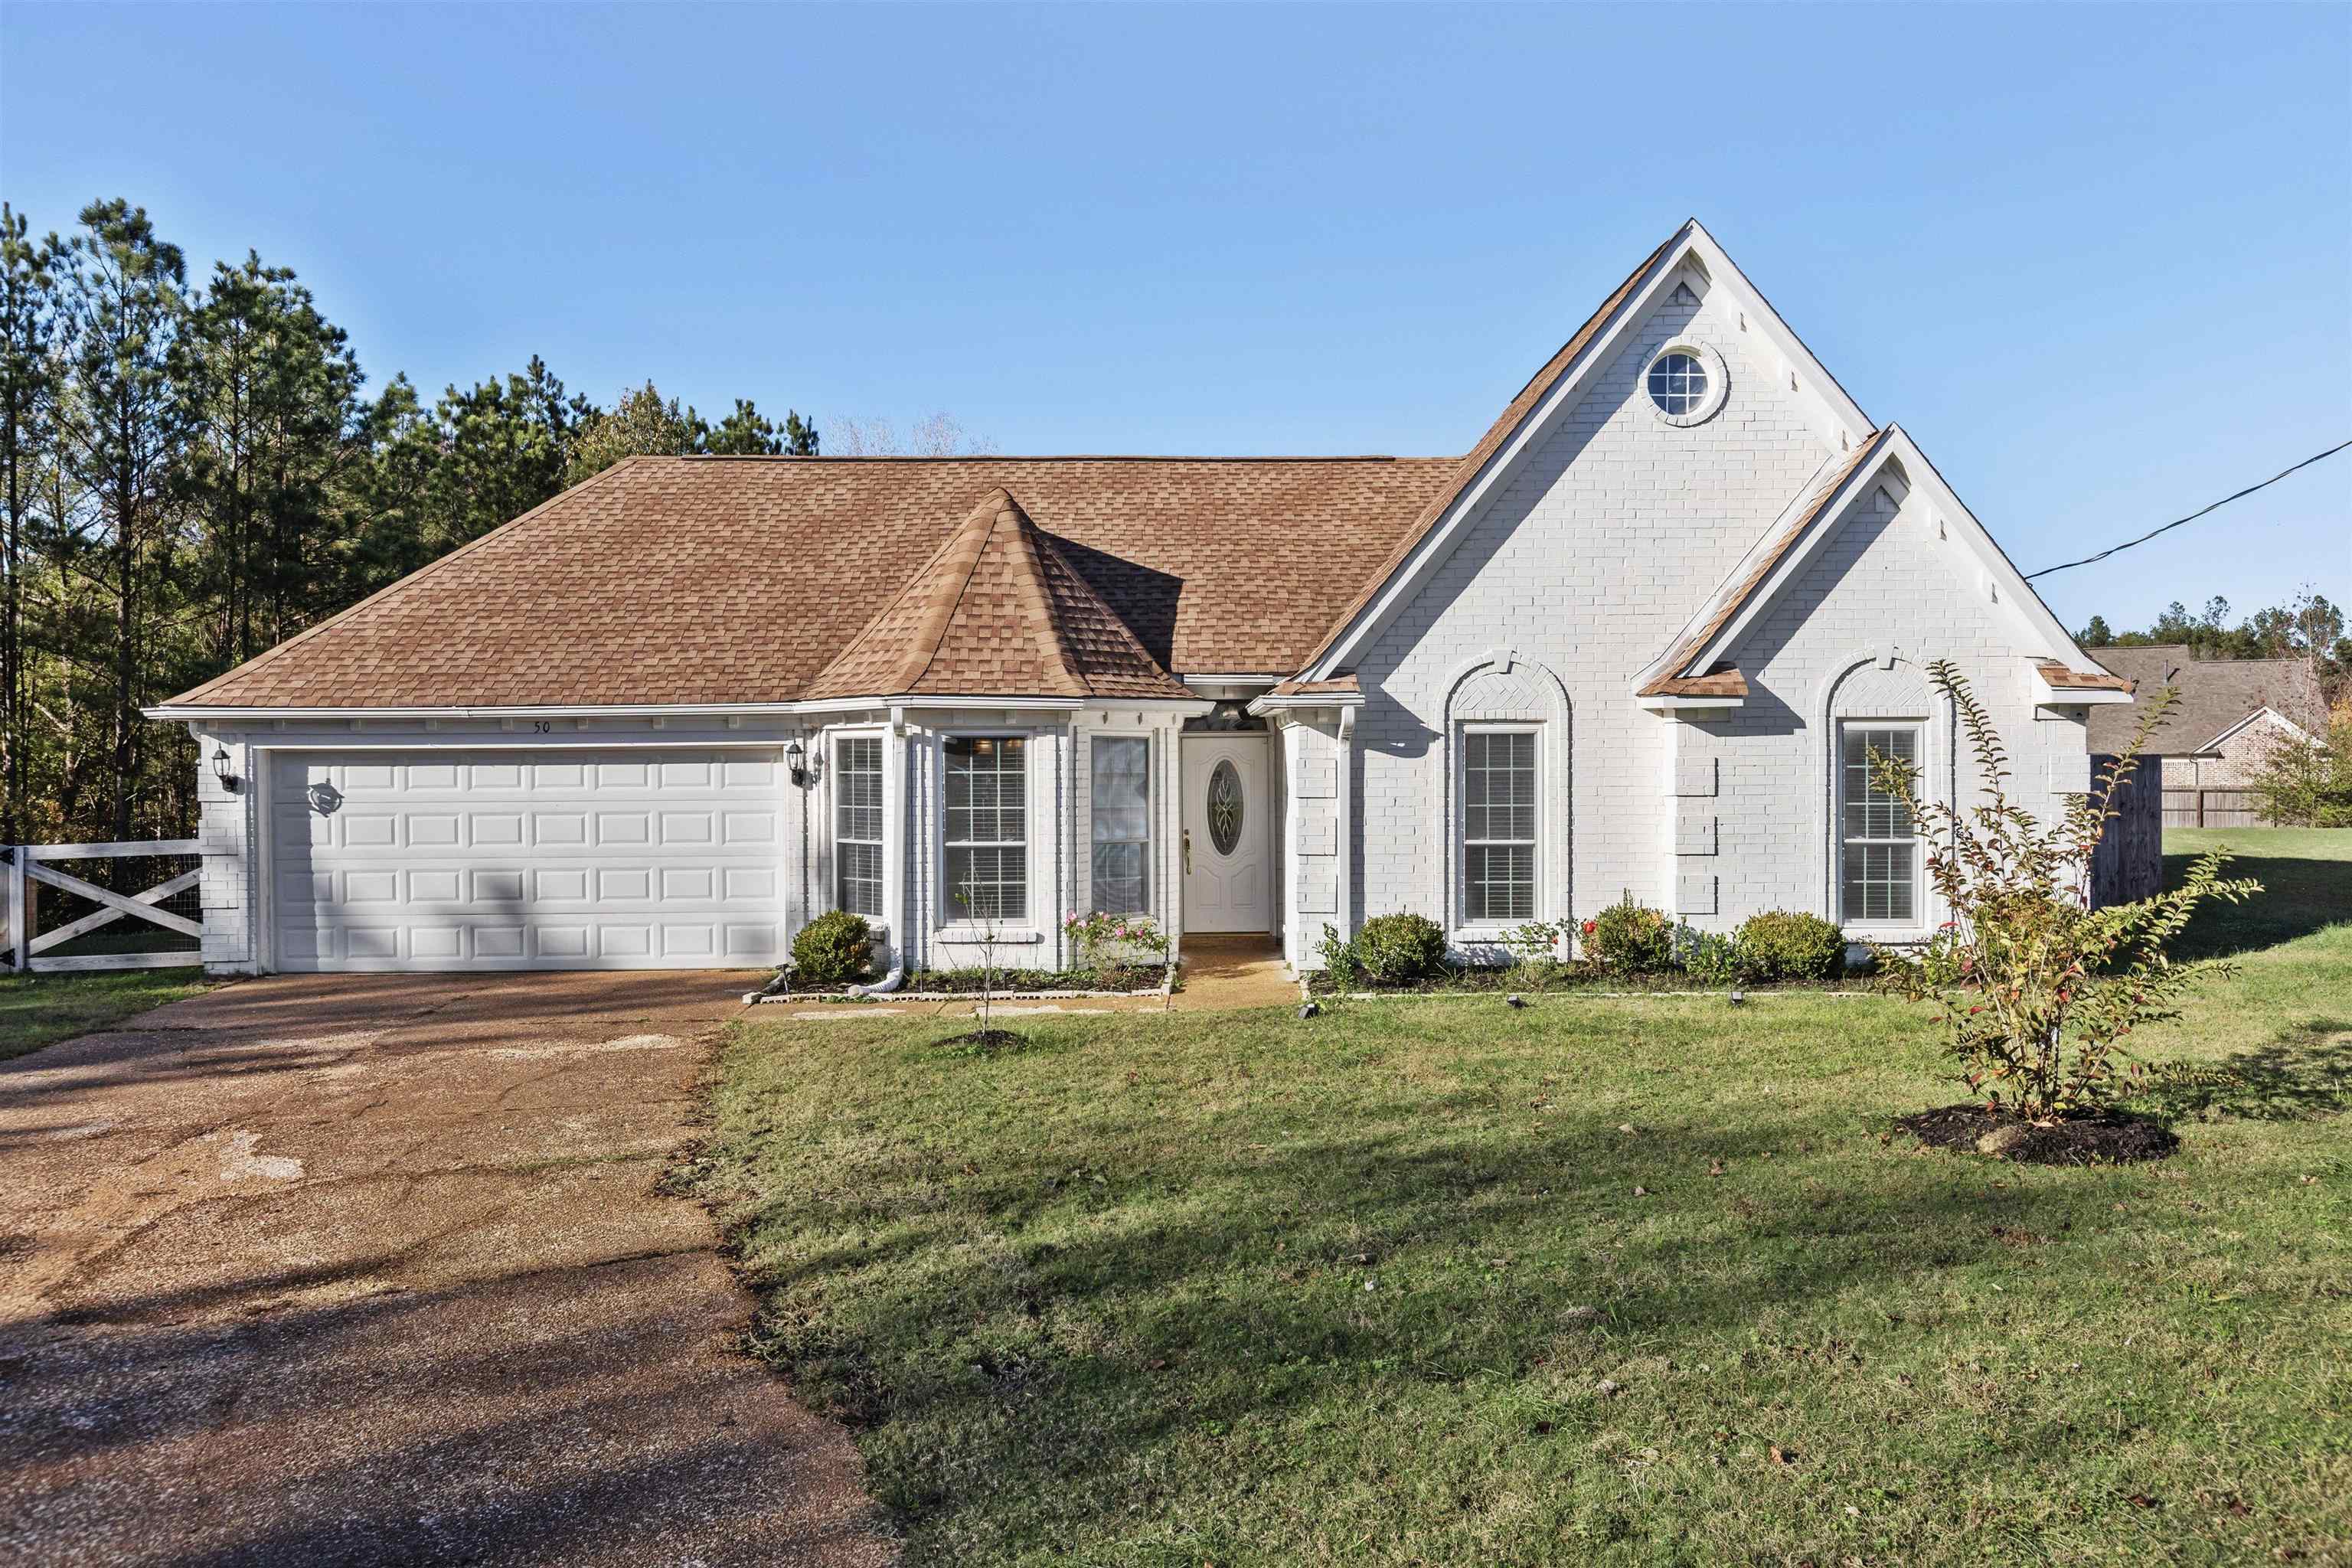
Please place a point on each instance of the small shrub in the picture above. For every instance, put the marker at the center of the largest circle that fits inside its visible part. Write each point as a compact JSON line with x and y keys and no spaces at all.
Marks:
{"x":1787,"y":945}
{"x":1631,"y":937}
{"x":1537,"y":948}
{"x":1397,"y":950}
{"x":1341,"y":968}
{"x":1710,"y":958}
{"x":1107,"y":944}
{"x":833,"y":950}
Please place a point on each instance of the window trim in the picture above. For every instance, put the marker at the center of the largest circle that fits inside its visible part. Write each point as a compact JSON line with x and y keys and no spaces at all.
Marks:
{"x":950,"y":918}
{"x":1459,"y":828}
{"x":1840,"y":840}
{"x":1718,"y":383}
{"x":1150,"y":839}
{"x":836,"y":773}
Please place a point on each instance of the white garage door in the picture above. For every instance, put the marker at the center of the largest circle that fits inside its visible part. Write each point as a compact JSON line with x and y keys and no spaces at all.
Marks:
{"x":602,"y":860}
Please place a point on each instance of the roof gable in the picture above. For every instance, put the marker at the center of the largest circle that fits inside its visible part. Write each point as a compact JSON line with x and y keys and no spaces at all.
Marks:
{"x":997,"y":611}
{"x":1781,"y":559}
{"x":1554,"y":389}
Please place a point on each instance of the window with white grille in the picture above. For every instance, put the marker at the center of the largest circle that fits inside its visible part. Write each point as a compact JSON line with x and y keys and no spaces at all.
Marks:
{"x":1500,"y":815}
{"x":857,"y":824}
{"x":986,"y":866}
{"x":1879,"y":875}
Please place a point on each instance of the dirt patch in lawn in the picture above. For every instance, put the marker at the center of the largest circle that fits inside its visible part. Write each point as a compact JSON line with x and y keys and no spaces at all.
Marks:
{"x":2108,"y":1138}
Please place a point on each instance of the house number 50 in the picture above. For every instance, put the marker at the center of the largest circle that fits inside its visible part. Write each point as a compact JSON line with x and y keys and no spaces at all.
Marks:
{"x":541,"y":726}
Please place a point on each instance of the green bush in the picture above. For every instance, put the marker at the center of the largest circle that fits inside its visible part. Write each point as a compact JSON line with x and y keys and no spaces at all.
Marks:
{"x":1631,"y":937}
{"x":1784,"y":944}
{"x":833,"y":950}
{"x":1397,"y":950}
{"x":1341,"y":971}
{"x":1710,"y":959}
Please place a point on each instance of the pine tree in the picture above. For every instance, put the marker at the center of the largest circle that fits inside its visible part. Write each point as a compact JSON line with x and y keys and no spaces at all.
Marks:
{"x":28,"y":385}
{"x":639,"y":425}
{"x":123,"y":427}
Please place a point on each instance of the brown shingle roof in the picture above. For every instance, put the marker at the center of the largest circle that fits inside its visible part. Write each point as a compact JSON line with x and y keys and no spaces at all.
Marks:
{"x":996,"y":612}
{"x":2063,"y":679}
{"x":1720,"y":681}
{"x":1466,"y":469}
{"x":722,"y":580}
{"x":1738,"y":591}
{"x":1342,"y":685}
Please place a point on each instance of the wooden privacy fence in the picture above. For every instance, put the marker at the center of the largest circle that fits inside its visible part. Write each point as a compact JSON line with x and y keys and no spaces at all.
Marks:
{"x":2212,"y":808}
{"x":169,"y":867}
{"x":2128,"y":865}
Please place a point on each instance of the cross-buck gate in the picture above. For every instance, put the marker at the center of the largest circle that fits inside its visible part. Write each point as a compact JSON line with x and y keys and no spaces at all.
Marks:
{"x":32,"y":868}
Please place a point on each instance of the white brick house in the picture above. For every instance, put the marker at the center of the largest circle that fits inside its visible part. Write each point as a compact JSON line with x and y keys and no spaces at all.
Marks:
{"x":1629,"y":645}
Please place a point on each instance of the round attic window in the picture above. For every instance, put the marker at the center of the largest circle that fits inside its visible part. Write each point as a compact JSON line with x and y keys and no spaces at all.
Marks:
{"x":1685,"y":383}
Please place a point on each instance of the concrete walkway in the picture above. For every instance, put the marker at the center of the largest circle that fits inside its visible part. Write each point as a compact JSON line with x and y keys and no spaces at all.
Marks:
{"x":374,"y":1269}
{"x":1221,"y":972}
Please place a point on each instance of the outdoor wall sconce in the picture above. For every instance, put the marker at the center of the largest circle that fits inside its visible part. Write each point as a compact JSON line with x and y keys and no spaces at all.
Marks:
{"x":221,"y":768}
{"x":804,"y":770}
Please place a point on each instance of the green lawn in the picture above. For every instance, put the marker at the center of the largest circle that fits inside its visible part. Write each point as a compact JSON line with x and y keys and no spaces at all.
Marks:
{"x":39,"y":1010}
{"x":1397,"y":1285}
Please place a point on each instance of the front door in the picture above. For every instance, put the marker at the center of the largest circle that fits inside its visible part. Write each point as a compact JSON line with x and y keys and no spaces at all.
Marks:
{"x":1227,"y":853}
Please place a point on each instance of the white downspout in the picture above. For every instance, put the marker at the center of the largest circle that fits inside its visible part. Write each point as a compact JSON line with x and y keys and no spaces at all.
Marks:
{"x":894,"y":855}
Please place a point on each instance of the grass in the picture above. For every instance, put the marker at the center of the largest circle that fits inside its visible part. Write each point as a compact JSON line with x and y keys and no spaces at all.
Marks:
{"x":1617,"y":1281}
{"x":40,"y":1010}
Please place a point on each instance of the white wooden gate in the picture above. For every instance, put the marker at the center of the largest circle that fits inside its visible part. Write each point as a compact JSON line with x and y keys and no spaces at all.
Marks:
{"x":33,"y":867}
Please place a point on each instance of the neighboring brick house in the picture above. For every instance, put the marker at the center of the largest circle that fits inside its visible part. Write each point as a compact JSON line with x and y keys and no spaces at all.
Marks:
{"x":2231,"y":712}
{"x":1636,"y":641}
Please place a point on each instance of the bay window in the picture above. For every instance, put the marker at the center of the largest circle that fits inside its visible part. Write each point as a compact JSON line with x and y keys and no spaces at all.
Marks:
{"x":986,"y":864}
{"x":857,"y":824}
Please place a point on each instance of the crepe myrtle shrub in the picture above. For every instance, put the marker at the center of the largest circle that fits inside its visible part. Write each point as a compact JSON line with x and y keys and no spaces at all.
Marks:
{"x":1107,"y":943}
{"x":834,"y":948}
{"x":1397,"y":950}
{"x":1631,"y":937}
{"x":1790,"y":944}
{"x":2037,"y":990}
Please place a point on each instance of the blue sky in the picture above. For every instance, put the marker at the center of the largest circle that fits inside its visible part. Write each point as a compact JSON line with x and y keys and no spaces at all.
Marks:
{"x":2097,"y":259}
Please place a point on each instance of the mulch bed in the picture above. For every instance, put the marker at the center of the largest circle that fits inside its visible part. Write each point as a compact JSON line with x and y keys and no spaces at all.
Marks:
{"x":2107,"y":1138}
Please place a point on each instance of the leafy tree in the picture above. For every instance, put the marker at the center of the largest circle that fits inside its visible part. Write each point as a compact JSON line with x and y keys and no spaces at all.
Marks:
{"x":2097,"y":633}
{"x":2047,"y":987}
{"x":2308,"y":782}
{"x":639,"y":425}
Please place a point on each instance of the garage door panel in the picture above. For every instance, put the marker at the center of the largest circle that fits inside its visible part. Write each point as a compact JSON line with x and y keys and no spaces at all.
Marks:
{"x":474,"y":859}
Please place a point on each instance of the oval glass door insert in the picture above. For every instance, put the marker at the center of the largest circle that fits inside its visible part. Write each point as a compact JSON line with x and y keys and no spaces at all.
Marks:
{"x":1224,"y":806}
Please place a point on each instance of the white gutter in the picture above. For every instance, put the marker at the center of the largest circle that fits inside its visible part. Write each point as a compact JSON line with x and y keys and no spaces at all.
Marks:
{"x":172,"y":712}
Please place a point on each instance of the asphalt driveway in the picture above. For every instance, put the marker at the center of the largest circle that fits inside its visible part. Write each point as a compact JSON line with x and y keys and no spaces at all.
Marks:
{"x":374,"y":1269}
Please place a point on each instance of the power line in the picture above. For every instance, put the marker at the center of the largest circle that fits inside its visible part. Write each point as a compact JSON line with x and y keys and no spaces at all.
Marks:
{"x":2192,"y":517}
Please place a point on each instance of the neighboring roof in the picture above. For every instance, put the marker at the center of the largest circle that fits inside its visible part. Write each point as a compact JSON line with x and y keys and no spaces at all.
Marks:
{"x":725,"y":580}
{"x":1734,"y":594}
{"x":2217,"y":695}
{"x":996,"y":612}
{"x":1466,"y":469}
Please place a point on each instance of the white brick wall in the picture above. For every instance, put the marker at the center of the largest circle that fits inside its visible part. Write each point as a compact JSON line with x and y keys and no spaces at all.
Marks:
{"x":1594,"y":558}
{"x":1589,"y":563}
